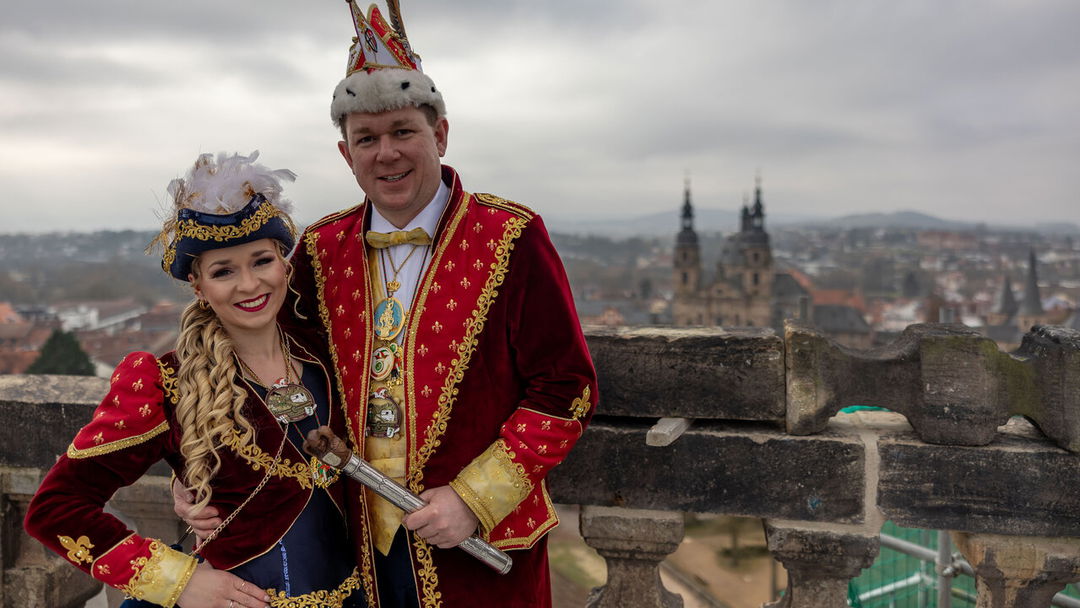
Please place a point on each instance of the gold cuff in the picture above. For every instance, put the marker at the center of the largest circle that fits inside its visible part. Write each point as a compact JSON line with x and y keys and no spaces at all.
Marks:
{"x":492,"y":485}
{"x":161,"y":577}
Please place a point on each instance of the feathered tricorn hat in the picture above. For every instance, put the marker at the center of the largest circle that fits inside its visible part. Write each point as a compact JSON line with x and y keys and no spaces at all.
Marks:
{"x":222,"y":203}
{"x":383,"y":72}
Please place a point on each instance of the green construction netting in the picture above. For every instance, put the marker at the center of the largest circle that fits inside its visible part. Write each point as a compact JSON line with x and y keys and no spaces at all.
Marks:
{"x":897,"y":580}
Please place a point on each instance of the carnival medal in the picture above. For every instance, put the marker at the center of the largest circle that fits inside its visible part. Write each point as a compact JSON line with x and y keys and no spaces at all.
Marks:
{"x":289,"y":402}
{"x":384,"y":415}
{"x":389,"y":318}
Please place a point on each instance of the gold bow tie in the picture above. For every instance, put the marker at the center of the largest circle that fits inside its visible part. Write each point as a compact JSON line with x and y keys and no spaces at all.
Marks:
{"x":381,"y":240}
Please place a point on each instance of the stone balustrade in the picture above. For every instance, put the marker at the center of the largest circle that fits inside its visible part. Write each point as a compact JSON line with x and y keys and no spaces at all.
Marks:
{"x":761,"y":439}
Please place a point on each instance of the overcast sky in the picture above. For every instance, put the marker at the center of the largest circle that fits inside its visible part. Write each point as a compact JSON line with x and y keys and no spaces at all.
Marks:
{"x":966,"y":109}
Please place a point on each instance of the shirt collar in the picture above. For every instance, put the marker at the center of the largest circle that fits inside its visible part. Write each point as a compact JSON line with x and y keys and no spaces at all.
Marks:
{"x":428,"y":218}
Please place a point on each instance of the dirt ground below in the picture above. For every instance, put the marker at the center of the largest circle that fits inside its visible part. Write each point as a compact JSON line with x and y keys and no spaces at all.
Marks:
{"x":701,"y":570}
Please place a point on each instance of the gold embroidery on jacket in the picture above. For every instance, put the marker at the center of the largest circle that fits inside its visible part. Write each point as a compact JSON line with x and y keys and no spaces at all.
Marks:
{"x":78,"y":550}
{"x":581,"y":405}
{"x":311,"y":244}
{"x":161,"y":576}
{"x":427,"y":576}
{"x":259,"y":459}
{"x":317,"y":599}
{"x":107,"y":448}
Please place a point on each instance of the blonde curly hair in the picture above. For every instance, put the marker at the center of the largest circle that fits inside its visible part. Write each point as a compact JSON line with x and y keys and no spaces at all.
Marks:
{"x":210,"y":403}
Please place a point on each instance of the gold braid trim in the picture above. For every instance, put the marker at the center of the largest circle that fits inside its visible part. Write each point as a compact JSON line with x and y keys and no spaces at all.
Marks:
{"x":311,"y":245}
{"x":541,"y":529}
{"x":192,"y":229}
{"x":317,"y":599}
{"x":473,"y":326}
{"x":517,"y":209}
{"x":161,"y":577}
{"x":107,"y":448}
{"x":260,"y":460}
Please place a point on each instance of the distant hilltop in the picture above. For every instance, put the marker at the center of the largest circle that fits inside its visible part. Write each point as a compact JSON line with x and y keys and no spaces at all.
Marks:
{"x":129,"y":243}
{"x":665,"y":223}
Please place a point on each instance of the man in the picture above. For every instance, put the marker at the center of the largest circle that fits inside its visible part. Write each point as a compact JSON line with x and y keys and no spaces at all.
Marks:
{"x":457,"y":350}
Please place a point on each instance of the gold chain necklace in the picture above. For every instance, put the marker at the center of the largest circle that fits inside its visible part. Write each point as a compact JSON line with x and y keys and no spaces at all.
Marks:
{"x":288,"y":401}
{"x":393,"y":284}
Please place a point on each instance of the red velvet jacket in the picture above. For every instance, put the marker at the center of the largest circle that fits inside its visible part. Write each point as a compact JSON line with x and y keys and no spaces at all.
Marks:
{"x":498,"y":380}
{"x":135,"y":427}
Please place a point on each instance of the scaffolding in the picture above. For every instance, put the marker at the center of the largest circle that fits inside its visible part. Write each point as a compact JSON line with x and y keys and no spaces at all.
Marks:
{"x":920,"y":569}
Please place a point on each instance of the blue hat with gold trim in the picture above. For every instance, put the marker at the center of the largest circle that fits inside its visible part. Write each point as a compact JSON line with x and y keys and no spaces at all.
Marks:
{"x":224,"y":202}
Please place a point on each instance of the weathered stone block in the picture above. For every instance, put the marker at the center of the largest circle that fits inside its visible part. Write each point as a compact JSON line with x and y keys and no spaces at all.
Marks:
{"x":39,"y":415}
{"x":941,"y":377}
{"x":1019,"y":572}
{"x":731,"y":374}
{"x":1020,"y":484}
{"x":733,"y":468}
{"x":1047,"y":388}
{"x":633,"y":542}
{"x":819,"y":563}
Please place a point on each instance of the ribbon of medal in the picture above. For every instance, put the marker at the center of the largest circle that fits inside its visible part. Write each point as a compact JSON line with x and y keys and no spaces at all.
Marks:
{"x":384,"y":410}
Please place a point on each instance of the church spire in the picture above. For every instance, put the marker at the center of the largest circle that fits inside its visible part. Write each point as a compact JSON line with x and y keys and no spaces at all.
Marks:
{"x":1006,"y":304}
{"x":687,"y":208}
{"x":757,"y":215}
{"x":1032,"y":304}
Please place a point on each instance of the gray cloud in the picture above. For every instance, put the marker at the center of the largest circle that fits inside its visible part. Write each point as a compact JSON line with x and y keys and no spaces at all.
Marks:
{"x":965,"y":109}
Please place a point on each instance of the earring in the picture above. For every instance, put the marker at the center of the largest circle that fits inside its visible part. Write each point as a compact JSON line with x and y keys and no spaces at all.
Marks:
{"x":203,"y":304}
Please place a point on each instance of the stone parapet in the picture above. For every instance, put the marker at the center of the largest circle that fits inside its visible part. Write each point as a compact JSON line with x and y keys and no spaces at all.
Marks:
{"x":954,"y":386}
{"x":750,"y":428}
{"x":730,"y":374}
{"x":737,"y":469}
{"x":1020,"y":484}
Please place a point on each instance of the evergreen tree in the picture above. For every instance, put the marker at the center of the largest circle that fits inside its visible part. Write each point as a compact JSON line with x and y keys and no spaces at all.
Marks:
{"x":62,"y":355}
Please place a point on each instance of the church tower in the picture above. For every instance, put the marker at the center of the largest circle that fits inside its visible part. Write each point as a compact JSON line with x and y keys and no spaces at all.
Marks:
{"x":686,"y":306}
{"x":756,"y":252}
{"x":687,"y":251}
{"x":1031,"y":310}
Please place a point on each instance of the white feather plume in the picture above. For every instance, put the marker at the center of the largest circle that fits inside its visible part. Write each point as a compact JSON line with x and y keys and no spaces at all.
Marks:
{"x":226,"y":185}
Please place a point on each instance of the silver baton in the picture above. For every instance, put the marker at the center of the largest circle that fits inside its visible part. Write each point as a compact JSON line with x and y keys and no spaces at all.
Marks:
{"x":402,"y":498}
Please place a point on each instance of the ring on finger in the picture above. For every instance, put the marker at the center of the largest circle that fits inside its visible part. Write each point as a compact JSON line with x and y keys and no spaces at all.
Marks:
{"x":231,"y":603}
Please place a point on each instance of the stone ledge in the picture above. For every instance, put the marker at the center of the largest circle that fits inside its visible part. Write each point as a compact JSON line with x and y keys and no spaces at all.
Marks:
{"x":737,"y":469}
{"x":730,"y":374}
{"x":1020,"y":484}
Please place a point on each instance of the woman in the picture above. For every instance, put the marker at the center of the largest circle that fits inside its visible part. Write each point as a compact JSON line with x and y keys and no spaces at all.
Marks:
{"x":227,"y":410}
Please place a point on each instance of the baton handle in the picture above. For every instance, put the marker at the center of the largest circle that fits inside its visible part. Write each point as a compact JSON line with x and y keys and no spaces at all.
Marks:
{"x":402,"y":498}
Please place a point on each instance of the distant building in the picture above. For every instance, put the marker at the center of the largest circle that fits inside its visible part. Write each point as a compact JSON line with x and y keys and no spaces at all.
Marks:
{"x":21,"y":339}
{"x":1009,"y":319}
{"x":106,"y":315}
{"x":740,"y":291}
{"x":746,"y":289}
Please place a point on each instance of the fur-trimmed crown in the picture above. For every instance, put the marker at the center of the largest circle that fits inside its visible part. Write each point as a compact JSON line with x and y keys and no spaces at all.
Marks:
{"x":383,"y":72}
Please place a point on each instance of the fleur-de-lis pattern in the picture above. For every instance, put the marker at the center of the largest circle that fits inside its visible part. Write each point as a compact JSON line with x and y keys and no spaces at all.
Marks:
{"x":468,"y":264}
{"x":130,"y":413}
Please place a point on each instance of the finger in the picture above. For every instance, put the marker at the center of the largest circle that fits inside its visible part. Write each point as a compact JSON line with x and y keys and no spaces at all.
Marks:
{"x":204,"y":526}
{"x":252,"y":594}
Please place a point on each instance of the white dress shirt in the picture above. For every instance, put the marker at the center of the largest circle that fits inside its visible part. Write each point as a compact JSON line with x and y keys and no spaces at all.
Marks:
{"x":413,"y":269}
